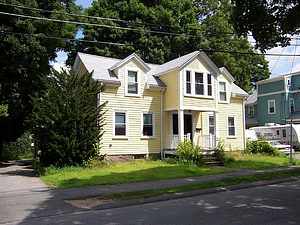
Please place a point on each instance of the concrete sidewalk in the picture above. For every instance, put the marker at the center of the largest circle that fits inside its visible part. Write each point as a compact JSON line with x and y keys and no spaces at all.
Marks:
{"x":92,"y":191}
{"x":24,"y":197}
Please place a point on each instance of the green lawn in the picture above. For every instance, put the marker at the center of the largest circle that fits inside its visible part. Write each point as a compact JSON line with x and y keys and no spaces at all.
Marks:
{"x":137,"y":171}
{"x":258,"y":161}
{"x":147,"y":170}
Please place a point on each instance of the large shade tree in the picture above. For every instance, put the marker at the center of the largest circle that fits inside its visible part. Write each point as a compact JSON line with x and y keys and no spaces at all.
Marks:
{"x":271,"y":22}
{"x":25,"y":56}
{"x":161,"y":30}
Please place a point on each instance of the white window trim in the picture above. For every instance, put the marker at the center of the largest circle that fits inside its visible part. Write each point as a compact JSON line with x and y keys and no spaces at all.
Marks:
{"x":138,"y":81}
{"x":209,"y":115}
{"x":126,"y":111}
{"x":251,"y":106}
{"x":153,"y":124}
{"x":288,"y":81}
{"x":193,"y":83}
{"x":231,"y":136}
{"x":291,"y":99}
{"x":226,"y":90}
{"x":269,"y":101}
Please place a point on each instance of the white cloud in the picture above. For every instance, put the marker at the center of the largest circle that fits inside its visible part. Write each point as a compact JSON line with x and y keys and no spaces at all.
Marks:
{"x":59,"y":66}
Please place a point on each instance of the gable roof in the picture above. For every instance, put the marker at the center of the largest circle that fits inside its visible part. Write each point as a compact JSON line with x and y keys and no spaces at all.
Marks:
{"x":277,"y":78}
{"x":227,"y":75}
{"x":181,"y":62}
{"x":100,"y":65}
{"x":252,"y":99}
{"x":238,"y":92}
{"x":133,"y":56}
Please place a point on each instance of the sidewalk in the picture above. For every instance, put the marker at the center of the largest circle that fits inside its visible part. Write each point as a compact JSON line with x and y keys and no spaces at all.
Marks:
{"x":93,"y":191}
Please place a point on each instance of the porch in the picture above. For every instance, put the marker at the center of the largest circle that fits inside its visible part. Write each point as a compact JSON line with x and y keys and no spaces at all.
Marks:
{"x":207,"y":142}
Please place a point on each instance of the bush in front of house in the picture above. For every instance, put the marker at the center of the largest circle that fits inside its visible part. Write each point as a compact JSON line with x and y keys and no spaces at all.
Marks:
{"x":189,"y":153}
{"x":68,"y":122}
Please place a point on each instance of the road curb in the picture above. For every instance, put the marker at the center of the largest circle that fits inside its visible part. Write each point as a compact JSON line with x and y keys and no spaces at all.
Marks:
{"x":134,"y":202}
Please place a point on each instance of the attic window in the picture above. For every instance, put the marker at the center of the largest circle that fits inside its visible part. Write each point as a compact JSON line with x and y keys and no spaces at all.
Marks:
{"x":222,"y":89}
{"x":132,"y":82}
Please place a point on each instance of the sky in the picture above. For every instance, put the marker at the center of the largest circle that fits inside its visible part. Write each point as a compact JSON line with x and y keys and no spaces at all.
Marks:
{"x":277,"y":64}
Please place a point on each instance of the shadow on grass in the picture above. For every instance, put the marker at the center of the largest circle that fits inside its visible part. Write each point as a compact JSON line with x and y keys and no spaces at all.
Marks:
{"x":151,"y":174}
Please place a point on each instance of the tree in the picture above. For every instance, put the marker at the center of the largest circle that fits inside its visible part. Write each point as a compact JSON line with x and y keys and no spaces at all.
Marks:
{"x":3,"y":110}
{"x":25,"y":57}
{"x":162,"y":30}
{"x":270,"y":22}
{"x":69,"y":122}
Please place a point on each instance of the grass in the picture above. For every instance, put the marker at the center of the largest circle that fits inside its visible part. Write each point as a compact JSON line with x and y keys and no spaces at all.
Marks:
{"x":137,"y":171}
{"x":147,"y":170}
{"x":258,"y":161}
{"x":203,"y":185}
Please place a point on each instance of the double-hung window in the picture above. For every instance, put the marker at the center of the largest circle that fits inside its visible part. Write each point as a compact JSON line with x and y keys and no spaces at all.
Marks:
{"x":188,"y":81}
{"x":271,"y":106}
{"x":211,"y":125}
{"x":120,"y":123}
{"x":132,"y":82}
{"x":251,"y":111}
{"x":231,"y":126}
{"x":209,"y":85}
{"x":148,"y":125}
{"x":222,"y":90}
{"x":198,"y":83}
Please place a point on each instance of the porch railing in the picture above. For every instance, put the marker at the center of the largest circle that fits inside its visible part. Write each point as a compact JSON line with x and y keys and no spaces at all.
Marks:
{"x":205,"y":141}
{"x":173,"y":140}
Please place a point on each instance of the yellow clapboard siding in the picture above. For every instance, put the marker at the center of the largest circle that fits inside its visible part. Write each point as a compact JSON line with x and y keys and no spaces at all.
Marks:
{"x":234,"y":108}
{"x":149,"y":100}
{"x":170,"y":96}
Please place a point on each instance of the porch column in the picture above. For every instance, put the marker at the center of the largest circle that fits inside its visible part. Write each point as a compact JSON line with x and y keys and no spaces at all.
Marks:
{"x":181,"y":124}
{"x":216,"y":116}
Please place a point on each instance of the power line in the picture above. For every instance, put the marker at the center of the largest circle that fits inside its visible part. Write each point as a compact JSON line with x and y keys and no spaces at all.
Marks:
{"x":132,"y":44}
{"x":116,"y":20}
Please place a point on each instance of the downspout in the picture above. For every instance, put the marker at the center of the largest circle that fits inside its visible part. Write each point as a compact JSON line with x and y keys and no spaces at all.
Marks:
{"x":244,"y":126}
{"x":161,"y":125}
{"x":98,"y":104}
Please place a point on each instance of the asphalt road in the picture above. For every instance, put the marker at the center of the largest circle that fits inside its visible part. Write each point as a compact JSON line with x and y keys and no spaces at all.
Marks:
{"x":272,"y":204}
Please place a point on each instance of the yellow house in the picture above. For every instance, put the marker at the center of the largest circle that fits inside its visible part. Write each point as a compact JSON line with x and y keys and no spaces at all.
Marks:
{"x":151,"y":107}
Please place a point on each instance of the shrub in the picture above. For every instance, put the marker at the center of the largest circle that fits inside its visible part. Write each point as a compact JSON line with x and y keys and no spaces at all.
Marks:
{"x":254,"y":147}
{"x":67,"y":120}
{"x":221,"y":154}
{"x":188,"y":153}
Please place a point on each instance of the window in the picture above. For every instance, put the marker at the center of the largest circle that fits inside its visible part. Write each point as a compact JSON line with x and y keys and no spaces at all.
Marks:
{"x":231,"y":126}
{"x":211,"y":125}
{"x":271,"y":106}
{"x":199,"y":86}
{"x":209,"y":85}
{"x":222,"y":89}
{"x":288,"y":81}
{"x":292,"y":105}
{"x":284,"y":133}
{"x":198,"y":83}
{"x":188,"y":82}
{"x":121,"y":123}
{"x":251,"y":111}
{"x":148,"y":128}
{"x":132,"y":82}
